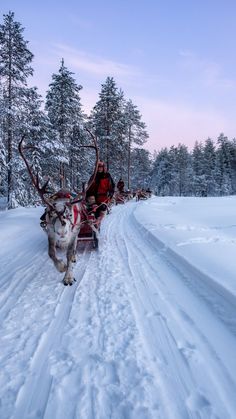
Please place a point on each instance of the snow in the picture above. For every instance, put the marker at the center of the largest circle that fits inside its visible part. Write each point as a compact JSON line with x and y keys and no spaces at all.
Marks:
{"x":148,"y":330}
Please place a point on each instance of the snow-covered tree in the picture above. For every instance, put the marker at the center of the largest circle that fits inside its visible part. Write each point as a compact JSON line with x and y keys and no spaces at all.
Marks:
{"x":35,"y":126}
{"x":172,"y":171}
{"x":209,"y":159}
{"x":223,"y":165}
{"x":198,"y":181}
{"x":105,"y":117}
{"x":63,"y":107}
{"x":161,"y":173}
{"x":141,"y":168}
{"x":15,"y":59}
{"x":135,"y":131}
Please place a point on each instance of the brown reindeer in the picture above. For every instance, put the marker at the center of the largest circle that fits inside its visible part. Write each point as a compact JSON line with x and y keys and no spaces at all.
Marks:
{"x":63,"y":217}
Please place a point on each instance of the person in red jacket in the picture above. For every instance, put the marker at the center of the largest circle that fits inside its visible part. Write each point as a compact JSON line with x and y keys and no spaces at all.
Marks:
{"x":102,"y":189}
{"x":103,"y":185}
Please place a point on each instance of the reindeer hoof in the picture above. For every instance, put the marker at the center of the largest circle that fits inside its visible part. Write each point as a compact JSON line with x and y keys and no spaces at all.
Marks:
{"x":68,"y":280}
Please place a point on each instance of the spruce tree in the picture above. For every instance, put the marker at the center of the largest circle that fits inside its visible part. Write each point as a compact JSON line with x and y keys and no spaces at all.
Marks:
{"x":209,"y":156}
{"x":198,"y":183}
{"x":15,"y":59}
{"x":34,"y":124}
{"x":135,"y":131}
{"x":141,"y":168}
{"x":161,"y":173}
{"x":105,"y":116}
{"x":63,"y":107}
{"x":183,"y":170}
{"x":223,"y":165}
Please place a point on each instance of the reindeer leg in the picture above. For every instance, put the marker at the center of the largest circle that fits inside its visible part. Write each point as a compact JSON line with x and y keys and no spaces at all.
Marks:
{"x":59,"y":264}
{"x":71,"y":259}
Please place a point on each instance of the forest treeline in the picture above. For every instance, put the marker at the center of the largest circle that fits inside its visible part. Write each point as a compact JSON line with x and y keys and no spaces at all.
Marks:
{"x":54,"y":130}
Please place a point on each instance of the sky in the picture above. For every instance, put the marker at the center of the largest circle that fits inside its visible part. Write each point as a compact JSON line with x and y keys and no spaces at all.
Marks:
{"x":174,"y":59}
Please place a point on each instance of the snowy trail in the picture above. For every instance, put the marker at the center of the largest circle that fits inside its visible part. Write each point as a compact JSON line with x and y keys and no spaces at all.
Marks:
{"x":161,"y":292}
{"x":130,"y":339}
{"x":32,"y":396}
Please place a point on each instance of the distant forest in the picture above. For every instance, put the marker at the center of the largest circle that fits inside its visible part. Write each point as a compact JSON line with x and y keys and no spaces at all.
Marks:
{"x":54,"y":130}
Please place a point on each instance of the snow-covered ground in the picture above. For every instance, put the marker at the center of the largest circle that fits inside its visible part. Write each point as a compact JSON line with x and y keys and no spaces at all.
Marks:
{"x":147,"y":331}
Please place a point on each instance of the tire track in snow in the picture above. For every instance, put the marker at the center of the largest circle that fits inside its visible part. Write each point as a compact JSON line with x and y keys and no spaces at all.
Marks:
{"x":33,"y":396}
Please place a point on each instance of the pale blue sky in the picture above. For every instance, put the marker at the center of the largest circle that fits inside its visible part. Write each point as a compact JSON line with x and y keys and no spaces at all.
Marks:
{"x":175,"y":59}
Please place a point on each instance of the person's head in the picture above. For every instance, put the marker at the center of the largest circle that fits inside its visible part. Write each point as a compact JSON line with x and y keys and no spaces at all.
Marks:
{"x":101,"y":167}
{"x":91,"y":199}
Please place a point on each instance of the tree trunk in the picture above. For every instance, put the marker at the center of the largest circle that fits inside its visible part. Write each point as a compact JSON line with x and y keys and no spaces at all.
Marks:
{"x":62,"y":176}
{"x":129,"y":155}
{"x":9,"y":144}
{"x":107,"y":147}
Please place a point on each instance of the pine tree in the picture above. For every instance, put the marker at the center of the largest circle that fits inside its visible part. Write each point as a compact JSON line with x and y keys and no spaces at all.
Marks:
{"x":64,"y":111}
{"x":15,"y":59}
{"x":183,"y":170}
{"x":233,"y":164}
{"x":209,"y":156}
{"x":198,"y":184}
{"x":105,"y":117}
{"x":141,"y":168}
{"x":2,"y":167}
{"x":223,"y":165}
{"x":161,"y":173}
{"x":135,"y":131}
{"x":34,"y":124}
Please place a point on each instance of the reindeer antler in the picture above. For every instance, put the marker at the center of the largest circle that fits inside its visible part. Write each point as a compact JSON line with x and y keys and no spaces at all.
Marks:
{"x":35,"y":178}
{"x":95,"y":147}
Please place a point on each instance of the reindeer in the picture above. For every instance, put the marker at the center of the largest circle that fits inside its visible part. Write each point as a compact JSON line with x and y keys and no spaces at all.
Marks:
{"x":63,"y":217}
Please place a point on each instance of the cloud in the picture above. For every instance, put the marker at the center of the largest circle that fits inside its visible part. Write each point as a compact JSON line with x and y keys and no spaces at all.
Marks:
{"x":93,"y":64}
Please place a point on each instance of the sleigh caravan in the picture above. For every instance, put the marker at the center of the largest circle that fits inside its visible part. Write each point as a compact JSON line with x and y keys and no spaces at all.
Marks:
{"x":120,"y":198}
{"x":143,"y":194}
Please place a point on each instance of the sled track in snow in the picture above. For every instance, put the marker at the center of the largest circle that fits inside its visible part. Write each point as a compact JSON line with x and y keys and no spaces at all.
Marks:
{"x":160,"y":314}
{"x":13,"y":286}
{"x":142,"y":337}
{"x":32,"y":398}
{"x":218,"y":298}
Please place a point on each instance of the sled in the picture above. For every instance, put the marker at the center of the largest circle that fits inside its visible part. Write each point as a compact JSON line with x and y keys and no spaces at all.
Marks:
{"x":119,"y":198}
{"x":89,"y":231}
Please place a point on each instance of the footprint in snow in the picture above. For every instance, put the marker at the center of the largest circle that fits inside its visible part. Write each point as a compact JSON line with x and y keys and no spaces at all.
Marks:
{"x":197,"y":402}
{"x":189,"y":351}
